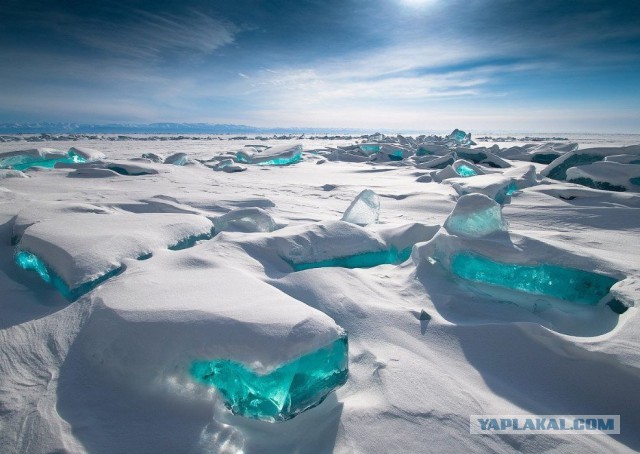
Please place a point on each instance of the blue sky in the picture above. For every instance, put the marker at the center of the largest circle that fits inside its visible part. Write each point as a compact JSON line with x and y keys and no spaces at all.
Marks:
{"x":520,"y":65}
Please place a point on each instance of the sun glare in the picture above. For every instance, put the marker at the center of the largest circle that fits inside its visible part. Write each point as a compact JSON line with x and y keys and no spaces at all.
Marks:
{"x":416,"y":3}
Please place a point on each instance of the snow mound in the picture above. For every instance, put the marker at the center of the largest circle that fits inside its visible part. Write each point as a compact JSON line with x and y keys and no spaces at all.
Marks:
{"x":607,"y":175}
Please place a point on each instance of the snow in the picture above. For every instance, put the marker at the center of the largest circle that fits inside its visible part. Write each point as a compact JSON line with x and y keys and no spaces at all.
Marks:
{"x":431,"y":341}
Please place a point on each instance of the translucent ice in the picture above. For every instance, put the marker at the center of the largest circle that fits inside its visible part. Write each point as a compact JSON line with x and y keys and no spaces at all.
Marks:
{"x":282,"y":393}
{"x":460,"y":137}
{"x":31,"y":262}
{"x":245,"y":220}
{"x":364,"y":260}
{"x":41,"y":157}
{"x":364,"y":210}
{"x":369,"y":148}
{"x":276,"y":156}
{"x":466,"y":169}
{"x":474,"y":216}
{"x":569,"y":284}
{"x":177,"y":159}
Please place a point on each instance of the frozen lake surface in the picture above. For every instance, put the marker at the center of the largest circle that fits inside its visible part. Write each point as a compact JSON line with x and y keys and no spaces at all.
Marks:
{"x":214,"y":296}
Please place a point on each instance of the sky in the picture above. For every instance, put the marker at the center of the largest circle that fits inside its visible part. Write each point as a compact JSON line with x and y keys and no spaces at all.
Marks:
{"x":419,"y":65}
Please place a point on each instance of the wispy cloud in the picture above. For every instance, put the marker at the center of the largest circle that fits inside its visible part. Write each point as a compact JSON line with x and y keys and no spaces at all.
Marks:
{"x":153,"y":34}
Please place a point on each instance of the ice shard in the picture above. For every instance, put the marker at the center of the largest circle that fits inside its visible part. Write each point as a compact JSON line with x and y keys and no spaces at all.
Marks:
{"x":282,"y":393}
{"x":251,"y":219}
{"x":475,"y":216}
{"x":460,"y":137}
{"x":364,"y":210}
{"x":177,"y":159}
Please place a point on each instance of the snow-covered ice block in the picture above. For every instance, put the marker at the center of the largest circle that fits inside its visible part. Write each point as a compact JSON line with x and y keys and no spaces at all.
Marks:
{"x":610,"y":176}
{"x":475,"y":216}
{"x":320,"y":242}
{"x":40,"y":157}
{"x":523,"y":176}
{"x":426,"y":149}
{"x":227,"y":165}
{"x":153,"y":157}
{"x":8,"y":173}
{"x":497,"y":187}
{"x":544,"y":153}
{"x":438,"y":163}
{"x":89,"y":154}
{"x":395,"y":152}
{"x":277,"y":156}
{"x":524,"y":271}
{"x":343,"y":155}
{"x":558,"y":168}
{"x":251,"y":219}
{"x":193,"y":318}
{"x":443,"y":174}
{"x":364,"y":210}
{"x":81,"y":249}
{"x":482,"y":156}
{"x":177,"y":159}
{"x":130,"y":169}
{"x":623,"y":159}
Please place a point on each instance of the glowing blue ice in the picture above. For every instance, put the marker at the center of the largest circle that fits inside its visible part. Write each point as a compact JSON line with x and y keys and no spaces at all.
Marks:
{"x":364,"y":260}
{"x":568,"y":284}
{"x":23,"y":162}
{"x":30,"y":262}
{"x":284,"y":161}
{"x":369,"y":148}
{"x":282,"y":393}
{"x":465,"y":171}
{"x":190,"y":241}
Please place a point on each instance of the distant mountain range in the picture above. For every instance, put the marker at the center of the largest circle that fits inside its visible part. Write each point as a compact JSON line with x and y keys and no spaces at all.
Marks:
{"x":154,"y":128}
